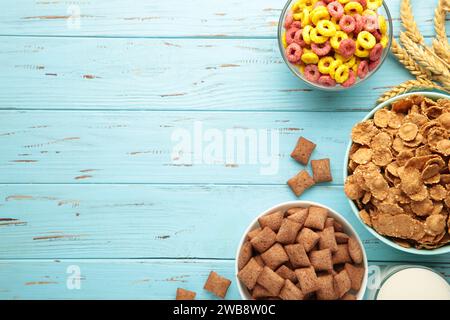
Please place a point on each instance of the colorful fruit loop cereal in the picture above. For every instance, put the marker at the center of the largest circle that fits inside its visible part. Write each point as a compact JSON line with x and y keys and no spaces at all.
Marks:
{"x":399,"y":172}
{"x":335,"y":42}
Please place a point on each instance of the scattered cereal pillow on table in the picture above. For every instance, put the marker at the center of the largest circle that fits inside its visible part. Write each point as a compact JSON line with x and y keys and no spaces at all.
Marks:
{"x":303,"y":150}
{"x":217,"y":284}
{"x":301,"y":182}
{"x":321,"y":170}
{"x":183,"y":294}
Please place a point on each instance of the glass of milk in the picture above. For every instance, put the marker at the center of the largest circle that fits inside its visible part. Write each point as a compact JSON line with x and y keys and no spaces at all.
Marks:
{"x":413,"y":283}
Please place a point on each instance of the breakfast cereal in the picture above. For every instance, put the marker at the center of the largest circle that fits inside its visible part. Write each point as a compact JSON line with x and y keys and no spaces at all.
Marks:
{"x":217,"y":284}
{"x":183,"y":294}
{"x":310,"y":257}
{"x":334,"y":42}
{"x":398,"y":172}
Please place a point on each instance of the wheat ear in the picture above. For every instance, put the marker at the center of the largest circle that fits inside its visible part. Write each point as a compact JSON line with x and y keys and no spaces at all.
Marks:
{"x":409,"y":86}
{"x":440,"y":44}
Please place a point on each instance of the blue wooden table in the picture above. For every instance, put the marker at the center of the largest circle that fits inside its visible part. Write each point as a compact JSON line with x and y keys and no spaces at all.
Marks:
{"x":94,"y":201}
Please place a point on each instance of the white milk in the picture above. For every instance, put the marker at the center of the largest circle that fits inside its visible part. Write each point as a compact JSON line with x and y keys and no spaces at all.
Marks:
{"x":414,"y":284}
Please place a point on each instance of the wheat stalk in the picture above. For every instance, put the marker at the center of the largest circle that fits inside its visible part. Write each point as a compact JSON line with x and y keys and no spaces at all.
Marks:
{"x":425,"y":63}
{"x":409,"y":86}
{"x":440,"y":44}
{"x":404,"y":58}
{"x":407,"y":17}
{"x":421,"y":56}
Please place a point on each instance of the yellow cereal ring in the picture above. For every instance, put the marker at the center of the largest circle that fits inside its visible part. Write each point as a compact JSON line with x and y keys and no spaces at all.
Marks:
{"x":306,"y":34}
{"x":353,"y":7}
{"x":341,"y":74}
{"x":310,"y":58}
{"x":368,"y":12}
{"x":337,"y":56}
{"x":305,"y":17}
{"x":351,"y":62}
{"x":309,"y":4}
{"x":297,"y":16}
{"x":319,"y":13}
{"x":360,"y":51}
{"x":366,"y":40}
{"x":336,"y":23}
{"x":374,"y":4}
{"x":343,"y":1}
{"x":335,"y":40}
{"x":333,"y":66}
{"x":384,"y":41}
{"x":316,"y":37}
{"x":326,"y":28}
{"x":283,"y":39}
{"x":301,"y":68}
{"x":382,"y":24}
{"x":324,"y":64}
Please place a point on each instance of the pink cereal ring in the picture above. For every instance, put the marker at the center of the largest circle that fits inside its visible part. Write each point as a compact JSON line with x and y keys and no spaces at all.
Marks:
{"x":321,"y":49}
{"x":296,"y":24}
{"x":377,"y":35}
{"x":320,"y":4}
{"x":376,"y":52}
{"x":335,"y":9}
{"x":328,"y":1}
{"x":351,"y":80}
{"x":288,"y":21}
{"x":326,"y":81}
{"x":347,"y":48}
{"x":298,"y":38}
{"x":371,"y":23}
{"x":293,"y":52}
{"x":312,"y":73}
{"x":347,"y":24}
{"x":290,"y":34}
{"x":361,"y":2}
{"x":374,"y":64}
{"x":363,"y":69}
{"x":359,"y":23}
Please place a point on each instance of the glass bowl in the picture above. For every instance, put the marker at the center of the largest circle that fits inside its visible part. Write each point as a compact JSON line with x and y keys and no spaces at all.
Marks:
{"x":382,"y":10}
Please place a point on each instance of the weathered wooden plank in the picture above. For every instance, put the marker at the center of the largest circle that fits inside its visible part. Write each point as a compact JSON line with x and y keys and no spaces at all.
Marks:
{"x":144,"y":18}
{"x":167,"y":74}
{"x":123,"y":279}
{"x":141,"y":147}
{"x":134,"y":221}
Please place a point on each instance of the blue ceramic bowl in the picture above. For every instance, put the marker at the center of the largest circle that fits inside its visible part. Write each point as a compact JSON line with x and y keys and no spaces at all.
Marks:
{"x":442,"y":250}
